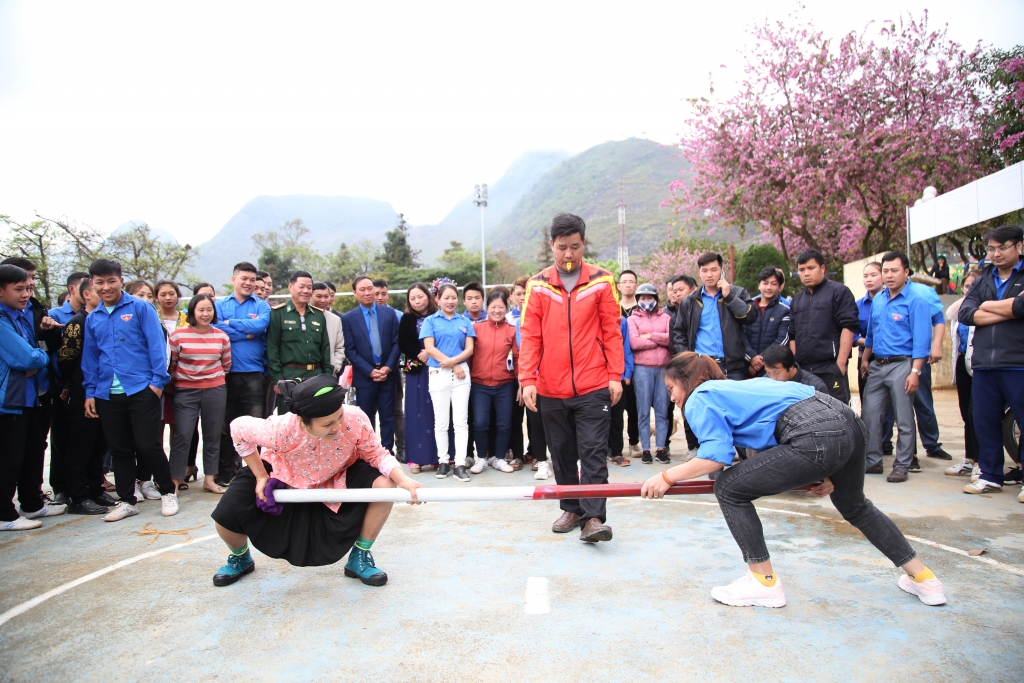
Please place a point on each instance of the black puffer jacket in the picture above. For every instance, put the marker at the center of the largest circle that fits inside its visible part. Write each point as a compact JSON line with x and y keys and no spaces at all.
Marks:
{"x":817,"y":320}
{"x":1000,"y":345}
{"x":772,"y":327}
{"x":734,"y":312}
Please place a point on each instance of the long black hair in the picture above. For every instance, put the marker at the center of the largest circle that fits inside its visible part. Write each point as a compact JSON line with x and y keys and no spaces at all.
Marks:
{"x":191,"y":315}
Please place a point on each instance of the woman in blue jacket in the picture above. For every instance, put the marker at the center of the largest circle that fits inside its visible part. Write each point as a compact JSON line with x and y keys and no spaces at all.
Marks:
{"x":806,"y":438}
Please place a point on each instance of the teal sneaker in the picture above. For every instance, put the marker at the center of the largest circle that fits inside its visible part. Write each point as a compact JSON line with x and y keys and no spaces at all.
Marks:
{"x":237,"y":567}
{"x":360,"y":566}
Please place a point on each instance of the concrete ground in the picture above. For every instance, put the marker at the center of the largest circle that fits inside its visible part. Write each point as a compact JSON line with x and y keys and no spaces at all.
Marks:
{"x":487,"y":592}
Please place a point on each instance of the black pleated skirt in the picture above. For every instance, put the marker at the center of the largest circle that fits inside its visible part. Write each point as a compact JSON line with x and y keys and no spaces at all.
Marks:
{"x":305,"y":534}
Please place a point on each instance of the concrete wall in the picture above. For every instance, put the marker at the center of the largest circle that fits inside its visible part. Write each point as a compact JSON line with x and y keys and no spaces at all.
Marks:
{"x":942,"y":372}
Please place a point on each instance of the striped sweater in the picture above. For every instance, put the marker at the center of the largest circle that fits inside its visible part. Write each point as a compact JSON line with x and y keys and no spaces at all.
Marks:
{"x":199,"y":360}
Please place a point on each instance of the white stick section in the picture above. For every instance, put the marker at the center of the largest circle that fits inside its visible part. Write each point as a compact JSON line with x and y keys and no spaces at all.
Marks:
{"x":425,"y":495}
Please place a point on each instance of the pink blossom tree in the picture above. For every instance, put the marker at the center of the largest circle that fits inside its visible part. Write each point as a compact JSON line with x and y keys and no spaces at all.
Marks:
{"x":662,"y":265}
{"x":826,"y":142}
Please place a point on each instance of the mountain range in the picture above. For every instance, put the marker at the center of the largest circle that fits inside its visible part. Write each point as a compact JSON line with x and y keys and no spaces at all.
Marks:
{"x":520,"y":203}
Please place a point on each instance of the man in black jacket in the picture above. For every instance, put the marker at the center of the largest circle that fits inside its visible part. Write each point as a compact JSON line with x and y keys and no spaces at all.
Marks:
{"x":995,"y":307}
{"x":711,"y":319}
{"x":823,"y":319}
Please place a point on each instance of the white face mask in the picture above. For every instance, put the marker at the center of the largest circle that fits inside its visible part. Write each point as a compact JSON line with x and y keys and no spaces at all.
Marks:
{"x":648,"y":306}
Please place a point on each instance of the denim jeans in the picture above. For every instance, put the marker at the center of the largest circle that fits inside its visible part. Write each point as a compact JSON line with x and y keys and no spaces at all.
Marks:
{"x":502,"y":397}
{"x":818,"y":437}
{"x":649,"y":385}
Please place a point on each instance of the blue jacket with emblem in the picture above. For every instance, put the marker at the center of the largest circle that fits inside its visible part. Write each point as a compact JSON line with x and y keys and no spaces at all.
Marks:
{"x":128,"y":342}
{"x":17,"y":357}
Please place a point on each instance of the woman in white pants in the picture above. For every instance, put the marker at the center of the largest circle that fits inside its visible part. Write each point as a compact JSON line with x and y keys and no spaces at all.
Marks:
{"x":448,"y":340}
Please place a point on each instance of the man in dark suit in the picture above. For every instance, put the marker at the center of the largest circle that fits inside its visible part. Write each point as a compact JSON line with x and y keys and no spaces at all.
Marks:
{"x":371,"y":345}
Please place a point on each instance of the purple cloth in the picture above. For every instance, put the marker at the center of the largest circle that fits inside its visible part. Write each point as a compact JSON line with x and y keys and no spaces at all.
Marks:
{"x":271,"y":506}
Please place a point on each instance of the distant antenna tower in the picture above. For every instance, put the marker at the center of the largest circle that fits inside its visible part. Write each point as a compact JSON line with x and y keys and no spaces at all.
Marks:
{"x":623,"y":248}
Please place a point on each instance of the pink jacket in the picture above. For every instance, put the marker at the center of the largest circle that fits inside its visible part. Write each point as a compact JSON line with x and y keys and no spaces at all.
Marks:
{"x":652,"y":352}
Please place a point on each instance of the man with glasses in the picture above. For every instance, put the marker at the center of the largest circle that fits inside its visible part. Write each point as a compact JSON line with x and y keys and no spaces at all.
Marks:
{"x":995,"y":307}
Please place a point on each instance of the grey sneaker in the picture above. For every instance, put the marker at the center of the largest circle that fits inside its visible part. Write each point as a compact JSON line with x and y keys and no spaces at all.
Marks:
{"x":120,"y":511}
{"x":150,"y":491}
{"x":48,"y":510}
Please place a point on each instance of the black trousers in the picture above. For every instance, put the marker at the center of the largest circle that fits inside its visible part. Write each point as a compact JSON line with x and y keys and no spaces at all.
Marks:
{"x":38,"y":434}
{"x":134,"y":428}
{"x":84,"y":474}
{"x":59,"y":446}
{"x":245,"y":397}
{"x":578,"y":428}
{"x":838,"y":384}
{"x":627,"y":405}
{"x":964,"y":387}
{"x":21,"y":465}
{"x":535,"y":433}
{"x":515,"y":442}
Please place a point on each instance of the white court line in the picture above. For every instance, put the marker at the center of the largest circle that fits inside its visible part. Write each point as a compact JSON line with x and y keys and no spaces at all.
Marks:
{"x":1012,"y":569}
{"x":537,"y":601}
{"x":29,"y":604}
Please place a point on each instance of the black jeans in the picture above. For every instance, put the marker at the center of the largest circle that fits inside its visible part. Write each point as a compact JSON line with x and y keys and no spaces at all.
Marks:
{"x":964,"y":384}
{"x":577,"y":428}
{"x":21,"y":466}
{"x":60,"y":432}
{"x":245,"y":398}
{"x":818,"y":437}
{"x":535,"y":433}
{"x":84,"y":474}
{"x":515,"y":440}
{"x":134,"y":428}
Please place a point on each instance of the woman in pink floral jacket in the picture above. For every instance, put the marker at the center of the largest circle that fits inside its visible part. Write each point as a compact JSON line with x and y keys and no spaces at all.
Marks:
{"x":320,"y":444}
{"x":649,"y":339}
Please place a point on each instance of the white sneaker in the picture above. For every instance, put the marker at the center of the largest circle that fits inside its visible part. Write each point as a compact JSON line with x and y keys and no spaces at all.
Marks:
{"x":20,"y":524}
{"x":982,"y":486}
{"x":543,"y":470}
{"x":749,"y":592}
{"x":48,"y":510}
{"x":634,"y":449}
{"x":930,"y":591}
{"x":500,"y":465}
{"x":963,"y":469}
{"x":478,"y":465}
{"x":691,"y":454}
{"x":1020,"y":496}
{"x":150,"y":491}
{"x":976,"y":472}
{"x":138,"y":494}
{"x":169,"y":505}
{"x":120,"y":511}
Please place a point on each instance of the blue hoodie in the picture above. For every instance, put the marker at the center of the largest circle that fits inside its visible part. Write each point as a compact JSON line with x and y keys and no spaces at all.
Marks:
{"x":19,"y":352}
{"x":128,"y":342}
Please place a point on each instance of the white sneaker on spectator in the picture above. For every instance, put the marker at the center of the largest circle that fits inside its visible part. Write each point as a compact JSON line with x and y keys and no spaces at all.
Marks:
{"x":1020,"y":496}
{"x":478,"y":465}
{"x":691,"y":454}
{"x":48,"y":510}
{"x":543,"y":470}
{"x":976,"y":472}
{"x":982,"y":486}
{"x":634,"y":449}
{"x":749,"y":592}
{"x":169,"y":505}
{"x":964,"y":468}
{"x":500,"y":465}
{"x":20,"y":524}
{"x":120,"y":511}
{"x":150,"y":491}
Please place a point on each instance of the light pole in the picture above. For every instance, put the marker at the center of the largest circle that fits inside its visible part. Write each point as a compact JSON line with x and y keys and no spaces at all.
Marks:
{"x":481,"y":201}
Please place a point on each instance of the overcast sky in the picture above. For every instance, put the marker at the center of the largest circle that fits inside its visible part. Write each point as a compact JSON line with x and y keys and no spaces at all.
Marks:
{"x":177,"y":113}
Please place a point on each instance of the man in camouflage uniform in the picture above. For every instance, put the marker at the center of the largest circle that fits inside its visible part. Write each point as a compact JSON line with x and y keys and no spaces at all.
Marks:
{"x":297,"y":343}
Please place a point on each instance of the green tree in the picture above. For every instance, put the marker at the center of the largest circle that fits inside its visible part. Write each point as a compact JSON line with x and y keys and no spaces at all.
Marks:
{"x":40,"y":243}
{"x":145,"y":256}
{"x":285,"y":250}
{"x":754,"y":260}
{"x":396,"y":248}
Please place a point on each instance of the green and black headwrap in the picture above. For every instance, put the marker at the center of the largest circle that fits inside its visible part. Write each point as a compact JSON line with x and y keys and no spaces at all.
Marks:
{"x":313,"y":397}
